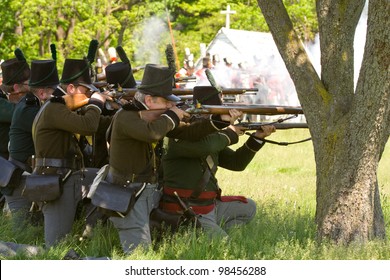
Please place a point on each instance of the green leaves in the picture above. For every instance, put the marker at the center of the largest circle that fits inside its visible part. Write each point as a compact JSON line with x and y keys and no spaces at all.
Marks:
{"x":35,"y":24}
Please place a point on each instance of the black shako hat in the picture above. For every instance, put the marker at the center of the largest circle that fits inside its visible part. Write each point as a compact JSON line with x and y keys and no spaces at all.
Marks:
{"x":120,"y":74}
{"x":157,"y":81}
{"x":43,"y":74}
{"x":206,"y":95}
{"x":15,"y":70}
{"x":76,"y":71}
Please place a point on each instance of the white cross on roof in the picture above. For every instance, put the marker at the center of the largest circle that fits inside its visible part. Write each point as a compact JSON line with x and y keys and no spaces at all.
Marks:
{"x":228,"y":12}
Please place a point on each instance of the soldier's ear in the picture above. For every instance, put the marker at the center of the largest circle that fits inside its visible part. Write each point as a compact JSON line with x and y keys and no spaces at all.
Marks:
{"x":148,"y":100}
{"x":71,"y":89}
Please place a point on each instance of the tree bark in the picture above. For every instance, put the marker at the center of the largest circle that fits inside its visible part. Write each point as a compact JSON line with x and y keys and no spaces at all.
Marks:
{"x":349,"y":128}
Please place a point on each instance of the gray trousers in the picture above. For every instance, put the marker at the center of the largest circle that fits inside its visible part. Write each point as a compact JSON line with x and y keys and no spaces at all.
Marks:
{"x":59,"y":214}
{"x":134,"y":228}
{"x":18,"y":204}
{"x":226,"y":215}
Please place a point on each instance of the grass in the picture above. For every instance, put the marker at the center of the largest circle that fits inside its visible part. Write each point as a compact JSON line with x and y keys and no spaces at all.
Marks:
{"x":281,"y":179}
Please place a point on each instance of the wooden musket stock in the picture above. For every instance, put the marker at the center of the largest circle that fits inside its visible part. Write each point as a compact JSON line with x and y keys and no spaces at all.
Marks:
{"x":73,"y":102}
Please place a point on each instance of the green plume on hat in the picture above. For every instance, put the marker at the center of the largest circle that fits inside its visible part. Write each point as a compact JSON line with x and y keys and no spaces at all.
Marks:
{"x":170,"y":58}
{"x":212,"y":81}
{"x":53,"y":51}
{"x":19,"y":54}
{"x":213,"y":84}
{"x":93,"y":45}
{"x":122,"y":54}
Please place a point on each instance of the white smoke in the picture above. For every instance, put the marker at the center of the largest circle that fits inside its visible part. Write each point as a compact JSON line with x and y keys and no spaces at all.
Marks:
{"x":150,"y":38}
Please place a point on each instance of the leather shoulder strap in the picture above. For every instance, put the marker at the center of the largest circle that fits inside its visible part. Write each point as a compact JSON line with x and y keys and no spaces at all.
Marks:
{"x":37,"y":117}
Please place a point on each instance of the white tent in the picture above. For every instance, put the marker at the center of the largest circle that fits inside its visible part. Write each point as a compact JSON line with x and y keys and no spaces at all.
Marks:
{"x":241,"y":46}
{"x":256,"y":58}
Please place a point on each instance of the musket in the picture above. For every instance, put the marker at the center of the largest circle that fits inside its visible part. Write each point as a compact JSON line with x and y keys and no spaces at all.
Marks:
{"x":226,"y":91}
{"x":150,"y":115}
{"x":128,"y":93}
{"x":283,"y":125}
{"x":252,"y":109}
{"x":185,"y":79}
{"x":138,"y":68}
{"x":78,"y":100}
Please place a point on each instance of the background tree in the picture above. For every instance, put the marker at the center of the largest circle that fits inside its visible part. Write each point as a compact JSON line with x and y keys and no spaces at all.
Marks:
{"x":7,"y":31}
{"x":349,"y":127}
{"x":141,"y":27}
{"x":198,"y":22}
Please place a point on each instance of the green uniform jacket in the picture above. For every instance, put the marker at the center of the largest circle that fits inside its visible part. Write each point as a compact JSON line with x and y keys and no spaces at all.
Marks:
{"x":184,"y":161}
{"x":6,"y":111}
{"x":133,"y":140}
{"x":56,"y":126}
{"x":21,"y":145}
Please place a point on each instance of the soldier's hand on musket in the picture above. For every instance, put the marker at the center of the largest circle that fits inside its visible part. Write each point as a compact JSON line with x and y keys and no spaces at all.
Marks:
{"x":99,"y":96}
{"x":123,"y":101}
{"x":266,"y":130}
{"x":239,"y":130}
{"x":234,"y":115}
{"x":180,"y":113}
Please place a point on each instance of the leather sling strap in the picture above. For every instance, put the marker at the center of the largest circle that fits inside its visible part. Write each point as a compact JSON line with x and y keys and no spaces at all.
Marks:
{"x":37,"y":116}
{"x":209,"y":170}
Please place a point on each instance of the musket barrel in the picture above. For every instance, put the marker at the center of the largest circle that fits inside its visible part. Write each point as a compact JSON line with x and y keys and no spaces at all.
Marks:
{"x":130,"y":92}
{"x":226,"y":91}
{"x":248,"y":109}
{"x":283,"y":125}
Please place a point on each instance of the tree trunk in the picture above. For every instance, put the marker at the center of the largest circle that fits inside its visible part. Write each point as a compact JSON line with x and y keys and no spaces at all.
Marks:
{"x":349,"y":129}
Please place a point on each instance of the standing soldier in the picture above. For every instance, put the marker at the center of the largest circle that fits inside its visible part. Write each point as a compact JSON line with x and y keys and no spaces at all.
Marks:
{"x":56,"y":147}
{"x":42,"y":83}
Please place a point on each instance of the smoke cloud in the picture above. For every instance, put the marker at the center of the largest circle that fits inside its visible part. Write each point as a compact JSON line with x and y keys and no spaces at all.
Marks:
{"x":150,"y":38}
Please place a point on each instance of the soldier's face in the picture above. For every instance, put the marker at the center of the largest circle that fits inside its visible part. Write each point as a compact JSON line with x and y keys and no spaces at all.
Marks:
{"x":157,"y":102}
{"x":46,"y":93}
{"x":83,"y":90}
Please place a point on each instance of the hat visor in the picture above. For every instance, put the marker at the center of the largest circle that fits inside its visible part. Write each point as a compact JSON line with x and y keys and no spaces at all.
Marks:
{"x":90,"y":86}
{"x":53,"y":86}
{"x":172,"y":97}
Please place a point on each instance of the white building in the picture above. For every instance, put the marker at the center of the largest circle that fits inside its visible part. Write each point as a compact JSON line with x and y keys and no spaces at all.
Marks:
{"x":256,"y":62}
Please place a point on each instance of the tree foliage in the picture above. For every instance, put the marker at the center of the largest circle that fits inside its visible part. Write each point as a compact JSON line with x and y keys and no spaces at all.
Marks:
{"x":141,"y":27}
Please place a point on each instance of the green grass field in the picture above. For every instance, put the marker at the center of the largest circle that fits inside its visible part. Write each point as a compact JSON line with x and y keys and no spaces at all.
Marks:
{"x":281,"y":179}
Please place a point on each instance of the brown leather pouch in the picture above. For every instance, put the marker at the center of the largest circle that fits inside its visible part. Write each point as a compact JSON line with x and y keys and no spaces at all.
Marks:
{"x":116,"y":200}
{"x":43,"y":188}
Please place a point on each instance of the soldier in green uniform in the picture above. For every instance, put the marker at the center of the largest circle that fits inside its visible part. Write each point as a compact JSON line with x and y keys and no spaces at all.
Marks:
{"x":132,"y":148}
{"x":190,"y":167}
{"x":42,"y":83}
{"x":16,"y":73}
{"x":6,"y":111}
{"x":56,"y":147}
{"x":120,"y":75}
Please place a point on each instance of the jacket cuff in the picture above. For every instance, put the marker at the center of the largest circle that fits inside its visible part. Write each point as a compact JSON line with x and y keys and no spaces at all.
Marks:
{"x":173,"y":117}
{"x":230,"y":134}
{"x":218,"y":122}
{"x":96,"y":102}
{"x":254,"y":145}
